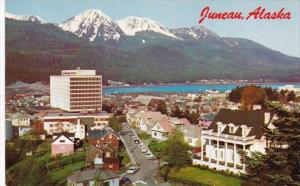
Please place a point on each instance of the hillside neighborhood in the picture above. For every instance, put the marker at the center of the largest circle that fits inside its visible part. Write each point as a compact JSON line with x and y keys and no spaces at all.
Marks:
{"x":115,"y":139}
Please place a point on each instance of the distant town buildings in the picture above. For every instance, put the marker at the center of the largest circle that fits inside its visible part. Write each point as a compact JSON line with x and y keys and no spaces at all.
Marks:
{"x":76,"y":91}
{"x":75,"y":122}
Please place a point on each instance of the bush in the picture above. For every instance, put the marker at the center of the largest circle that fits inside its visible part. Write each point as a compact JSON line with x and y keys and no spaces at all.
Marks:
{"x":144,"y":136}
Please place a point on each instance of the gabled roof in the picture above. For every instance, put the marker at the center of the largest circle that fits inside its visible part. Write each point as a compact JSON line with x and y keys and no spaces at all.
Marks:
{"x":166,"y":125}
{"x":67,"y":135}
{"x":153,"y":116}
{"x":92,"y":174}
{"x":253,"y":119}
{"x":97,"y":134}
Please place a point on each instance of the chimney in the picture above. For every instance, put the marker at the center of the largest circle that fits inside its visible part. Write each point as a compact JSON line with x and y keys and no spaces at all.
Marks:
{"x":267,"y":117}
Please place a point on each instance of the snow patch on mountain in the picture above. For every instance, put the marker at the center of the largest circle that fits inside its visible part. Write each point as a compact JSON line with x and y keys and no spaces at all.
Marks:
{"x":93,"y":24}
{"x":132,"y":24}
{"x":194,"y":33}
{"x":30,"y":18}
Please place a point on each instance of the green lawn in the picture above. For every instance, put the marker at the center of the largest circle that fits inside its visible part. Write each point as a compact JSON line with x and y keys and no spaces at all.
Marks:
{"x":203,"y":176}
{"x":60,"y":175}
{"x":144,"y":136}
{"x":124,"y":158}
{"x":41,"y":161}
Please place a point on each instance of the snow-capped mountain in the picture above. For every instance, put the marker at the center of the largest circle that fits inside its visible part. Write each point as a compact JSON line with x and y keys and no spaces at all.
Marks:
{"x":132,"y":24}
{"x":194,"y":33}
{"x":31,"y":18}
{"x":93,"y":25}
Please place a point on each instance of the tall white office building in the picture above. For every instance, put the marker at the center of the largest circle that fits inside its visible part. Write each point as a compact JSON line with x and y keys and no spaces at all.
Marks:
{"x":76,"y":91}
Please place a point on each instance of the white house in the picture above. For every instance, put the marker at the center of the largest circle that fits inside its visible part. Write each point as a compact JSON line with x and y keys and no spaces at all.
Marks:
{"x":62,"y":144}
{"x":230,"y":132}
{"x":192,"y":135}
{"x":161,"y":130}
{"x":19,"y":119}
{"x":147,"y":119}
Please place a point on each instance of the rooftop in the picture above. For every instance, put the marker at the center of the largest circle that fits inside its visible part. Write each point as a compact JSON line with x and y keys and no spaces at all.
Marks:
{"x":92,"y":174}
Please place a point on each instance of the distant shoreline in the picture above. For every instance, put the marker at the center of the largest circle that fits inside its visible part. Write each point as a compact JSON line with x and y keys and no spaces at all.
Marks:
{"x":174,"y":84}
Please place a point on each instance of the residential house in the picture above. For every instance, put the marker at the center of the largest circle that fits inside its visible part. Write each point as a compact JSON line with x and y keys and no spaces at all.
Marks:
{"x":20,"y":119}
{"x":97,"y":177}
{"x":147,"y":119}
{"x":62,"y":144}
{"x":102,"y":137}
{"x":179,"y":122}
{"x":104,"y":156}
{"x":230,"y":132}
{"x":161,"y":130}
{"x":192,"y":135}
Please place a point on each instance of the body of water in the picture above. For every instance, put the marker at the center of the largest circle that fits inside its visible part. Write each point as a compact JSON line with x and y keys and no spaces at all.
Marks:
{"x":183,"y":88}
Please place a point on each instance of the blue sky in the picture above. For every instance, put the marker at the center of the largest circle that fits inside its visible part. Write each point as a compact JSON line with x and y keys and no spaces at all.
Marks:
{"x":281,"y":35}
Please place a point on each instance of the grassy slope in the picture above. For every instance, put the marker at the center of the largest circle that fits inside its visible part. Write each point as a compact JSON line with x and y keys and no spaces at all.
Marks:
{"x":204,"y":176}
{"x":58,"y":175}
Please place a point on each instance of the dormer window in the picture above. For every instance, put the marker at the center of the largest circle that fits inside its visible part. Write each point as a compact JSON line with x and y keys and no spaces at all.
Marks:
{"x":220,"y":128}
{"x":244,"y":130}
{"x":231,"y":129}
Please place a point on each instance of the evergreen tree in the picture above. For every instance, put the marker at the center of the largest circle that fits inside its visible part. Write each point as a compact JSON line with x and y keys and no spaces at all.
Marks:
{"x":291,"y":96}
{"x":162,"y":107}
{"x":176,"y":112}
{"x":281,"y":163}
{"x":176,"y":152}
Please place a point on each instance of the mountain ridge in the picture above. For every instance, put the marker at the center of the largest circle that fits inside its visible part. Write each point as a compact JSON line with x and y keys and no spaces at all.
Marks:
{"x":146,"y":56}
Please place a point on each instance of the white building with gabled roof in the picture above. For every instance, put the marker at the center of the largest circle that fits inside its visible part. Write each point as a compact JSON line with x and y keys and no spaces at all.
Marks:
{"x":231,"y":132}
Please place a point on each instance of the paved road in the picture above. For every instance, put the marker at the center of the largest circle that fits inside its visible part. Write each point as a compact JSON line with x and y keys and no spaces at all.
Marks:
{"x":148,"y":168}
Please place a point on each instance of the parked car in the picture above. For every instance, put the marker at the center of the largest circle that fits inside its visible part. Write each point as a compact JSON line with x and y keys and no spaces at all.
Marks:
{"x":149,"y":156}
{"x":125,"y":181}
{"x":132,"y":170}
{"x":137,"y":141}
{"x":140,"y":182}
{"x":135,"y":137}
{"x":143,"y":150}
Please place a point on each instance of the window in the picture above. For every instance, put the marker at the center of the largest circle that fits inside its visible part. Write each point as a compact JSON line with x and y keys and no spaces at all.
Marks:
{"x":231,"y":129}
{"x":222,"y":155}
{"x":216,"y":153}
{"x":110,"y":135}
{"x":51,"y":125}
{"x":107,"y":154}
{"x":108,"y":141}
{"x":62,"y":141}
{"x":155,"y":134}
{"x":219,"y":129}
{"x":244,"y":132}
